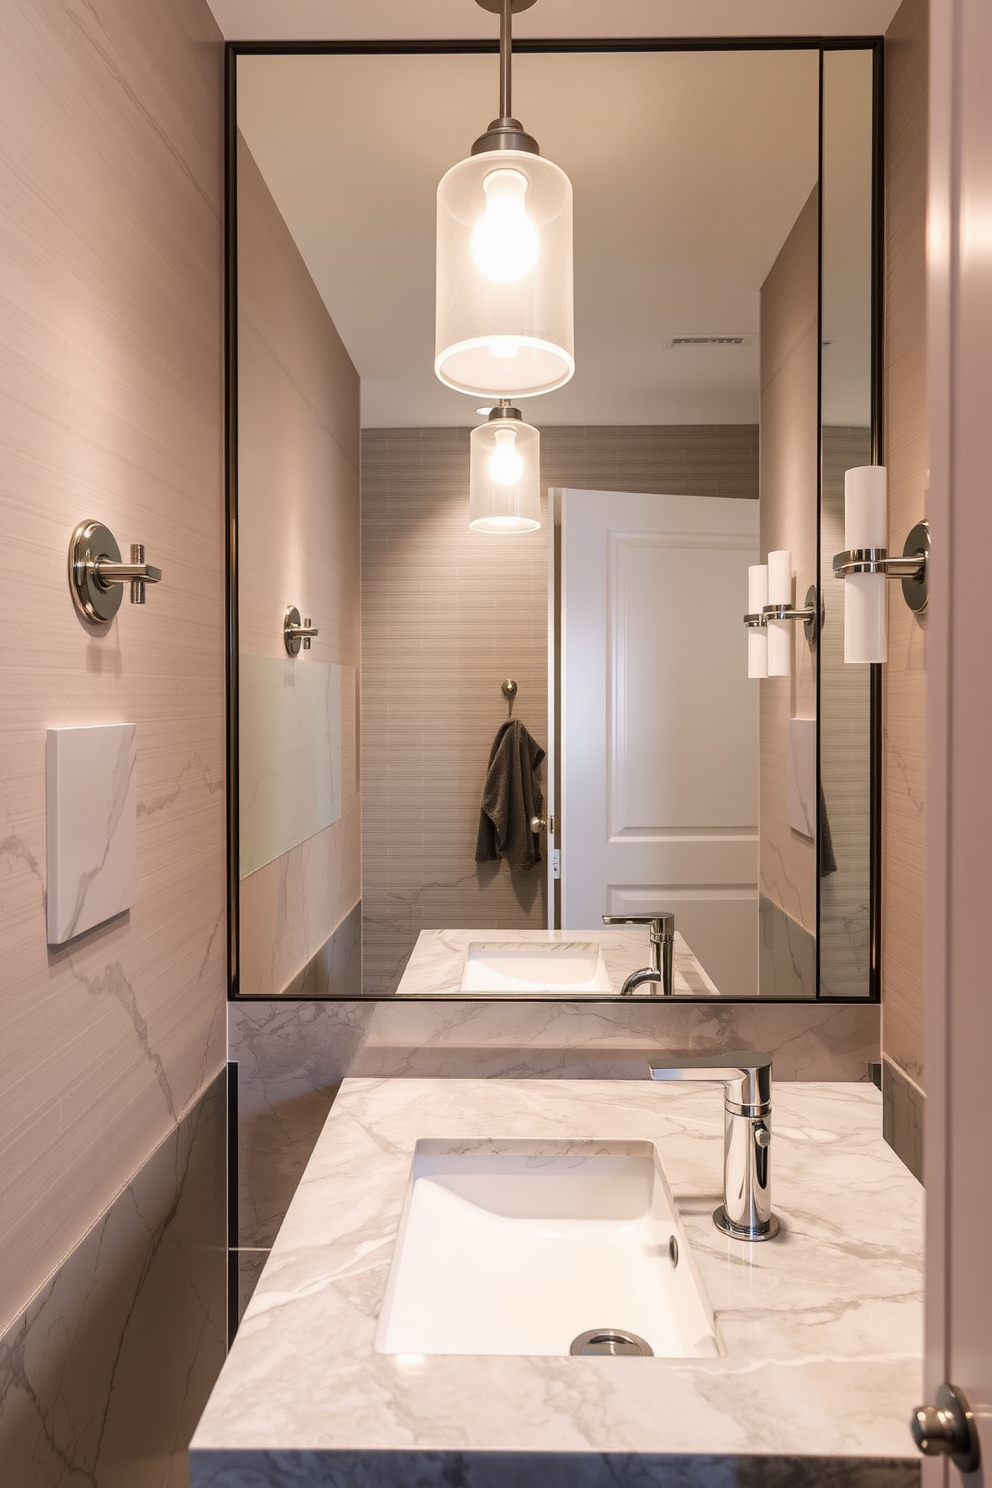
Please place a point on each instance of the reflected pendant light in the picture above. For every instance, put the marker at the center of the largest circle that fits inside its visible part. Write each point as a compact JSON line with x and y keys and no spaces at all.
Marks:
{"x":504,"y":258}
{"x":504,"y":476}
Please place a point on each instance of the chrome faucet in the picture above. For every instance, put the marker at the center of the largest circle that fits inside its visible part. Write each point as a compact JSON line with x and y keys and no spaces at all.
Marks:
{"x":662,"y":937}
{"x":746,"y":1211}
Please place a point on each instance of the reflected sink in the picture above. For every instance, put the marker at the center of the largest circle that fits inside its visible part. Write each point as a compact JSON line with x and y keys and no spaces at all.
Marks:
{"x":518,"y":1247}
{"x":566,"y":965}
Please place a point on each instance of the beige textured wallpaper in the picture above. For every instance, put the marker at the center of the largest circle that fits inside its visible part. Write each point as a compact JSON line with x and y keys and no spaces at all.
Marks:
{"x":447,"y":615}
{"x":298,"y":543}
{"x":904,"y":677}
{"x":110,"y":408}
{"x":789,"y":445}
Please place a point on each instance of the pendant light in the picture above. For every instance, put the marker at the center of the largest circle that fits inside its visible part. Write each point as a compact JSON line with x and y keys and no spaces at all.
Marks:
{"x":504,"y":474}
{"x":504,"y":258}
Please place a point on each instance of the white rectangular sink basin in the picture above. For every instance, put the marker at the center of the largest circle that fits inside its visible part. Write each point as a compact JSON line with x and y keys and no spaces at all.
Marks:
{"x":573,"y":966}
{"x":519,"y":1247}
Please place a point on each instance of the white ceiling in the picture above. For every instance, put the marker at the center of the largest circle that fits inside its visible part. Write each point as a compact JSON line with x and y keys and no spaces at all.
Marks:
{"x":688,"y":171}
{"x":365,"y":20}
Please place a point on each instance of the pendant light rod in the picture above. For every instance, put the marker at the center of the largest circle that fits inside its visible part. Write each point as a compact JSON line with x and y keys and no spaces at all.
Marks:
{"x":505,"y":50}
{"x":506,"y":132}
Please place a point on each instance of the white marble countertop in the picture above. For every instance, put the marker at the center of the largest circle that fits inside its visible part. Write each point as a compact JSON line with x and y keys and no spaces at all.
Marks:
{"x":438,"y":959}
{"x":822,"y":1326}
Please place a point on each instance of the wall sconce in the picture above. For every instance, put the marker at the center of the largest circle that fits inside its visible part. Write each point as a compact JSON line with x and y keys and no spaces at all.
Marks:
{"x":865,"y":565}
{"x":757,"y":634}
{"x":770,"y":612}
{"x":504,"y":320}
{"x":504,"y":492}
{"x":97,"y":576}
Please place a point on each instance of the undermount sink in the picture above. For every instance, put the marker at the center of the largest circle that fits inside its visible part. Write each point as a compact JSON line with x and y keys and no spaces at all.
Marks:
{"x":576,"y":966}
{"x":522,"y":1247}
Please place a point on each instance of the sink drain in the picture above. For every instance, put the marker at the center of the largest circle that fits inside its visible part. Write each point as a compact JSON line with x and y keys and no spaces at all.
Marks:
{"x":613,"y":1341}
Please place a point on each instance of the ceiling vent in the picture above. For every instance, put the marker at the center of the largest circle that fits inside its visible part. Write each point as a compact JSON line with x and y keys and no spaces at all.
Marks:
{"x":673,"y":341}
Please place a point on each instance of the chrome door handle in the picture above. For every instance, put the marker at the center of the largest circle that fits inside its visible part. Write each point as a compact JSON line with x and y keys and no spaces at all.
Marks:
{"x":947,"y":1429}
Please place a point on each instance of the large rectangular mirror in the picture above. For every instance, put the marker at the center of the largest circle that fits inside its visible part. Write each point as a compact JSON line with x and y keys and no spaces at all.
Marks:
{"x":725,"y":284}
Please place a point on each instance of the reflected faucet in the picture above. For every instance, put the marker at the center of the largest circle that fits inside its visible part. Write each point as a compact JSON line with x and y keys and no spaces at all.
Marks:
{"x":746,"y":1211}
{"x":662,"y":937}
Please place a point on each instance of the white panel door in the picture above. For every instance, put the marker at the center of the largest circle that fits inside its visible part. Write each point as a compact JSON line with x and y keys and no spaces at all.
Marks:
{"x":659,"y":723}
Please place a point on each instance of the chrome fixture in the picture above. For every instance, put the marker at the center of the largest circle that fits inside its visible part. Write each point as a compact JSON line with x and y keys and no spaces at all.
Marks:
{"x":97,"y":575}
{"x":661,"y":934}
{"x":947,"y":1429}
{"x":538,"y":823}
{"x":504,"y":321}
{"x":865,"y":565}
{"x":769,"y":595}
{"x":912,"y":567}
{"x":812,"y":623}
{"x":811,"y":615}
{"x":746,"y":1211}
{"x":296,"y":633}
{"x":509,"y":691}
{"x":617,"y":1342}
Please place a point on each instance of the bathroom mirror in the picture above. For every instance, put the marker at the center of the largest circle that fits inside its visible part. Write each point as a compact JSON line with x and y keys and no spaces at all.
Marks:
{"x":724,"y":264}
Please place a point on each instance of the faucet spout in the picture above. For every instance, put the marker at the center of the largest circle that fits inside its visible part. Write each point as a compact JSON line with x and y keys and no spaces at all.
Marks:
{"x":746,"y":1211}
{"x":661,"y":935}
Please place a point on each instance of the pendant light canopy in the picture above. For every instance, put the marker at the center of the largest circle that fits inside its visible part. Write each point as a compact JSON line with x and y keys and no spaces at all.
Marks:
{"x":504,"y":258}
{"x":505,"y":474}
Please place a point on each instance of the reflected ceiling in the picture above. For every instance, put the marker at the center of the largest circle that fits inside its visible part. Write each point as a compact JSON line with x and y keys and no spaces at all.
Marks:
{"x":688,"y":170}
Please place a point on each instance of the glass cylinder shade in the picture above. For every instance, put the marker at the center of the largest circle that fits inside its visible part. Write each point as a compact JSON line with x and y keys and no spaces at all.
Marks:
{"x":505,"y":477}
{"x":504,"y":276}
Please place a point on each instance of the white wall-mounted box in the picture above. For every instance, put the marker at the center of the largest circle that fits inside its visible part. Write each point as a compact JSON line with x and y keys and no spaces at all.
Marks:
{"x":92,"y":826}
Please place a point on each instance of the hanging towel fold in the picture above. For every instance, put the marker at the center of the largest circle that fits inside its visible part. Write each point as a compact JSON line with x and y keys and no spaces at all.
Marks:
{"x":510,"y":797}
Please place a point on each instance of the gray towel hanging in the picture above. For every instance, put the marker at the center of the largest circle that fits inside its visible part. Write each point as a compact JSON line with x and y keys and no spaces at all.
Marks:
{"x":510,"y":797}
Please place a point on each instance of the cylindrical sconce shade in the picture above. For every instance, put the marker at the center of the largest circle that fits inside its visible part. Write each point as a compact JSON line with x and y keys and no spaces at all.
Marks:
{"x":505,"y":477}
{"x":504,"y":276}
{"x":757,"y":640}
{"x":780,"y":632}
{"x":865,"y":597}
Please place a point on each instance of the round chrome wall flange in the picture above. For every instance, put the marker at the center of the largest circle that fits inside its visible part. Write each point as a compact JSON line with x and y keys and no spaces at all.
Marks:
{"x":814,"y":623}
{"x":916,"y":589}
{"x":95,"y":601}
{"x":495,"y":6}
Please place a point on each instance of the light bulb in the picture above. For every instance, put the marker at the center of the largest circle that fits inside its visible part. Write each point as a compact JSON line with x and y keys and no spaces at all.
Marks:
{"x":505,"y":464}
{"x":505,"y":242}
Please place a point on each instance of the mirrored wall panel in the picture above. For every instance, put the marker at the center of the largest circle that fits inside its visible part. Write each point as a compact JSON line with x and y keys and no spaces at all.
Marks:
{"x":404,"y":823}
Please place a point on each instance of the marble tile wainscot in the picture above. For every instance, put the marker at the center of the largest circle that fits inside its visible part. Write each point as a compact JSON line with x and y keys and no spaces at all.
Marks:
{"x":292,"y":1057}
{"x":822,"y":1328}
{"x":103,"y":1376}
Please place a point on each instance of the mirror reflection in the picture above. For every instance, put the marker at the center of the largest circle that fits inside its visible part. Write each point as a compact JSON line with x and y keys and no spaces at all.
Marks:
{"x":671,"y":783}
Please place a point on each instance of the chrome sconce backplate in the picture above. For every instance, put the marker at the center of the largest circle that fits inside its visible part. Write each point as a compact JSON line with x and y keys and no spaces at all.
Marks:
{"x":97,"y":575}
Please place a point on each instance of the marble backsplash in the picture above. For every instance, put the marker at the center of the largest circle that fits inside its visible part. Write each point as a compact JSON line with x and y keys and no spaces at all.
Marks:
{"x":106,"y":1372}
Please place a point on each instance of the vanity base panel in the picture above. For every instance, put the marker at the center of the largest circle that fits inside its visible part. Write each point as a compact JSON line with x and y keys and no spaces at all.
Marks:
{"x":418,"y":1469}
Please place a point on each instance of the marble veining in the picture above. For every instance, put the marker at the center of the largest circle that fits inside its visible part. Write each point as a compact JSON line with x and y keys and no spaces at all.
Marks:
{"x":91,"y":826}
{"x":438,"y":959}
{"x":103,"y":1375}
{"x":822,"y":1327}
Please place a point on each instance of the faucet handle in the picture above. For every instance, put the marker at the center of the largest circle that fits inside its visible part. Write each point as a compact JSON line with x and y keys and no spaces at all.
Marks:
{"x":746,"y":1076}
{"x":662,"y":924}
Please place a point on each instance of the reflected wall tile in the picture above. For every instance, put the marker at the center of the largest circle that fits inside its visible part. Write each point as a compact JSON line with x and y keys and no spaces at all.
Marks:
{"x":447,"y":614}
